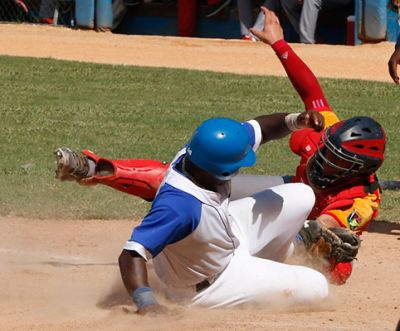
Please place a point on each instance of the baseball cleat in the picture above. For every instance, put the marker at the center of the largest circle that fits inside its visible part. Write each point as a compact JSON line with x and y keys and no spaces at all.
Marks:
{"x":249,"y":37}
{"x":70,"y":165}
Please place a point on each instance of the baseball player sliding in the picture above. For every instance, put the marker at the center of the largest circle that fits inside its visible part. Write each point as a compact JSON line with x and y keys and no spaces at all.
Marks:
{"x":214,"y":240}
{"x":214,"y":252}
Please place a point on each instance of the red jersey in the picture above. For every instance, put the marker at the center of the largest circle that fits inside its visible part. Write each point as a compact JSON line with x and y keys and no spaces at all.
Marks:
{"x":353,"y":205}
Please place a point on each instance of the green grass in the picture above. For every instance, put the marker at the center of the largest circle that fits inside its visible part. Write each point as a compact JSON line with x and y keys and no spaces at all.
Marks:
{"x":135,"y":112}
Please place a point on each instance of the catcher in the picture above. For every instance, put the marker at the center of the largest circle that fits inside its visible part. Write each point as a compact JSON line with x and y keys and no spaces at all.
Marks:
{"x":339,"y":163}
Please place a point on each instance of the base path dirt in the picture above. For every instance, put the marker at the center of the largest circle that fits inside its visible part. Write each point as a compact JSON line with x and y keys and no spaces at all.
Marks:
{"x":63,"y":274}
{"x":238,"y":56}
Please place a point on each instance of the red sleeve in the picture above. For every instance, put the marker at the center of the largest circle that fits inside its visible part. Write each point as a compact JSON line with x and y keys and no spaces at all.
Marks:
{"x":302,"y":78}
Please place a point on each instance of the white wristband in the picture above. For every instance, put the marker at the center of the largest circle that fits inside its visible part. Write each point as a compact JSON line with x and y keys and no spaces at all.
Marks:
{"x":291,"y":122}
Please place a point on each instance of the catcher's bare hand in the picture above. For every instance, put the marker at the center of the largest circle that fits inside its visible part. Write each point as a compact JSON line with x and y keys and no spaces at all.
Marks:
{"x":272,"y":30}
{"x":311,"y":119}
{"x":394,"y":61}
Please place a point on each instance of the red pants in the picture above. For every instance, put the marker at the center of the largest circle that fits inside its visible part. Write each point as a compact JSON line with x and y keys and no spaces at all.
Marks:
{"x":187,"y":18}
{"x":187,"y":14}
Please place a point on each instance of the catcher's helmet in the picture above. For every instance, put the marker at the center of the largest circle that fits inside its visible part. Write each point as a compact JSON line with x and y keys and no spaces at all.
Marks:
{"x":221,"y":146}
{"x":347,"y":149}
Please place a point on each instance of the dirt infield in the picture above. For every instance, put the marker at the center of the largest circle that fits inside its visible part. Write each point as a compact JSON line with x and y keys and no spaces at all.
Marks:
{"x":361,"y":62}
{"x":63,"y":275}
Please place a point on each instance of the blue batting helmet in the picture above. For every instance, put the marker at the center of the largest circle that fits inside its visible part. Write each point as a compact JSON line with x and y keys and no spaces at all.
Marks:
{"x":221,"y":146}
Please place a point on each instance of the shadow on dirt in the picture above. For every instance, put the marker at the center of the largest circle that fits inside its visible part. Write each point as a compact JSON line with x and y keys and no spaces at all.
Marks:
{"x":119,"y":297}
{"x":385,"y":227}
{"x":116,"y":297}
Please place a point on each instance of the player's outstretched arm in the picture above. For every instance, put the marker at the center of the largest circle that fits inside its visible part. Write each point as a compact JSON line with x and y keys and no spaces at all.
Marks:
{"x":134,"y":276}
{"x":393,"y":63}
{"x":279,"y":125}
{"x":138,"y":177}
{"x":301,"y":77}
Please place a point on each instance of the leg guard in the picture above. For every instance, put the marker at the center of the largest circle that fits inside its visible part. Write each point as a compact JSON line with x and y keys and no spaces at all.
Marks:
{"x":340,"y":272}
{"x":141,"y":178}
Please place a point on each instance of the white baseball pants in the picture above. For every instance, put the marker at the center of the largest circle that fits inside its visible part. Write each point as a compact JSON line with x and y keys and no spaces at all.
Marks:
{"x":266,"y":224}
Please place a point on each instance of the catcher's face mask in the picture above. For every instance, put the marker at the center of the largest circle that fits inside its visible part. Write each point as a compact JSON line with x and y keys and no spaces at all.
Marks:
{"x":327,"y":166}
{"x":347,"y":149}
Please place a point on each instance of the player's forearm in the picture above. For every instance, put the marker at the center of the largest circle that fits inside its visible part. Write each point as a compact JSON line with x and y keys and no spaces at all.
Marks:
{"x":278,"y":125}
{"x":328,"y":221}
{"x":134,"y":276}
{"x":301,"y":77}
{"x":133,"y":271}
{"x":273,"y":126}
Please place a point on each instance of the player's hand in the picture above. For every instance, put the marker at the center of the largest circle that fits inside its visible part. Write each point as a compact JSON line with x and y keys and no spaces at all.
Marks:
{"x":394,"y":61}
{"x":311,"y":119}
{"x":272,"y":31}
{"x":396,"y":3}
{"x":153,"y":310}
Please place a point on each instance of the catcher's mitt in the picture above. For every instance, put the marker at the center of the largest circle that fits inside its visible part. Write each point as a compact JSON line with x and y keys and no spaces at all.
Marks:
{"x":338,"y":244}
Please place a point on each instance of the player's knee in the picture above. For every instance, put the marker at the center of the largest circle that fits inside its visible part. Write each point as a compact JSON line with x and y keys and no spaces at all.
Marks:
{"x":308,"y":196}
{"x":304,"y":198}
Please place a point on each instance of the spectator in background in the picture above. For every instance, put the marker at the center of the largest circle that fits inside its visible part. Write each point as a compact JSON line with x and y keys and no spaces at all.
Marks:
{"x":303,"y":15}
{"x":46,"y":11}
{"x":15,"y":11}
{"x":245,"y":11}
{"x":187,"y":14}
{"x":394,"y":61}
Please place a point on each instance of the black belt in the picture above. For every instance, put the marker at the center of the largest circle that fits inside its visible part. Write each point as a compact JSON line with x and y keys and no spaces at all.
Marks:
{"x":202,"y":285}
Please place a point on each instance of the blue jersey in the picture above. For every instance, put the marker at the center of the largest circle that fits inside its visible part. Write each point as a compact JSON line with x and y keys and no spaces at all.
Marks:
{"x":188,"y":231}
